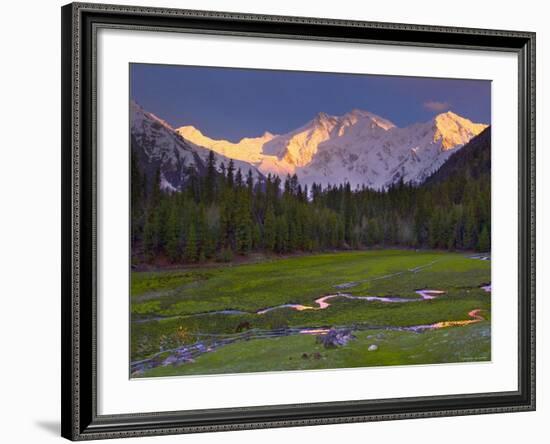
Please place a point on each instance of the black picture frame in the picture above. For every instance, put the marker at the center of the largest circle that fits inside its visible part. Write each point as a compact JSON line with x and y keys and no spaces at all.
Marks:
{"x":80,"y":22}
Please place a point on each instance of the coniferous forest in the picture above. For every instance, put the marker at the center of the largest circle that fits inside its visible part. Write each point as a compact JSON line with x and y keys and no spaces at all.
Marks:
{"x":225,"y":212}
{"x":349,"y":241}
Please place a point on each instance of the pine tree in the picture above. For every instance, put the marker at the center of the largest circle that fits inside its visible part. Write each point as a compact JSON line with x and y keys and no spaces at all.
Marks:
{"x":156,"y":193}
{"x":222,"y":181}
{"x":190,"y":253}
{"x":149,"y":238}
{"x":435,"y":229}
{"x":226,"y":213}
{"x":256,"y":237}
{"x":243,"y":234}
{"x":230,"y":178}
{"x":211,"y":177}
{"x":250,"y":182}
{"x":287,"y":188}
{"x":293,"y":236}
{"x":228,"y":220}
{"x":173,"y":235}
{"x":484,"y":242}
{"x":270,"y":228}
{"x":421,"y":225}
{"x":137,"y":198}
{"x":159,"y":224}
{"x":470,"y":230}
{"x":281,"y":234}
{"x":239,"y":178}
{"x":201,"y":229}
{"x":209,"y":242}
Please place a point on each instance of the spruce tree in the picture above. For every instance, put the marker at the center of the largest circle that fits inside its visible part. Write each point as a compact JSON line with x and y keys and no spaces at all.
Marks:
{"x":230,"y":178}
{"x":269,"y":235}
{"x":173,"y":235}
{"x":239,"y":178}
{"x":211,"y":177}
{"x":190,"y":253}
{"x":149,"y":238}
{"x":243,"y":234}
{"x":484,"y":241}
{"x":250,"y":183}
{"x":470,"y":230}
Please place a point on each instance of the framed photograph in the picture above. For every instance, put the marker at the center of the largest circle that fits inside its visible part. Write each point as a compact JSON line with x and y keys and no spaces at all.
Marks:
{"x":281,"y":221}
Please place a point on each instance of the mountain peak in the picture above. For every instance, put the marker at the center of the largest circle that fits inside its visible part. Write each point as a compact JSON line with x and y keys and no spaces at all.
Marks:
{"x":172,"y":152}
{"x":359,"y":147}
{"x":359,"y":113}
{"x":322,"y":117}
{"x":448,"y":115}
{"x":356,"y":114}
{"x":454,"y":130}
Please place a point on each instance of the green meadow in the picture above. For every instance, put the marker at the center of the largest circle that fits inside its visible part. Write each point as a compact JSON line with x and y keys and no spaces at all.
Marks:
{"x":198,"y":305}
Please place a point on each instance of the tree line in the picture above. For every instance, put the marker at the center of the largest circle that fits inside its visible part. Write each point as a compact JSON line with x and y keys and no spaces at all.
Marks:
{"x":225,"y":211}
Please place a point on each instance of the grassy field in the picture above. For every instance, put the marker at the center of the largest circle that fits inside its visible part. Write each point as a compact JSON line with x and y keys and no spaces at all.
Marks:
{"x":171,"y":309}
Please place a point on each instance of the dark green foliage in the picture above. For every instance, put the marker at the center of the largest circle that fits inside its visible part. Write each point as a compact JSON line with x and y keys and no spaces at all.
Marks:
{"x":191,"y":247}
{"x":484,"y":242}
{"x":225,"y":255}
{"x":211,"y":177}
{"x":269,"y":234}
{"x":473,"y":162}
{"x":222,"y":212}
{"x":244,"y":226}
{"x":173,"y":234}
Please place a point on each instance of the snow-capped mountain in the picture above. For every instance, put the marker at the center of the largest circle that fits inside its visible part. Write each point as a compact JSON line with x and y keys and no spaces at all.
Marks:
{"x":248,"y":149}
{"x":300,"y":146}
{"x":359,"y":147}
{"x":375,"y":156}
{"x":158,"y":146}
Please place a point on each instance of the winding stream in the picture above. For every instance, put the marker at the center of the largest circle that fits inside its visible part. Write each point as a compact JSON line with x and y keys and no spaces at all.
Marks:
{"x":212,"y":342}
{"x":322,"y":303}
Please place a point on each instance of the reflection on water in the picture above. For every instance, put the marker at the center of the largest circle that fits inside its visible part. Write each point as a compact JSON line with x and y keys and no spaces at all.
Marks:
{"x":482,"y":257}
{"x":212,"y":342}
{"x":474,"y":314}
{"x":429,"y":294}
{"x":322,"y":302}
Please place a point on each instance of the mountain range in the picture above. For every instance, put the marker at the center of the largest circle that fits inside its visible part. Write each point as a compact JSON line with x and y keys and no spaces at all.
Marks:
{"x":159,"y":147}
{"x":358,"y":147}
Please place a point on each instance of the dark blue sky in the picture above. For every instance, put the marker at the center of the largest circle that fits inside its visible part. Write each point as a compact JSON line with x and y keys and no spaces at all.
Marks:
{"x":234,"y":103}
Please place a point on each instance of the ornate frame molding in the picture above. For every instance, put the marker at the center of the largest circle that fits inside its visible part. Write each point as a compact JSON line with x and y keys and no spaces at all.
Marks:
{"x":80,"y":22}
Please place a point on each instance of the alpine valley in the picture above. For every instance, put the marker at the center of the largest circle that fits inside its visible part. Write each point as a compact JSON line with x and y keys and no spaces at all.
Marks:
{"x":346,"y":242}
{"x":359,"y":148}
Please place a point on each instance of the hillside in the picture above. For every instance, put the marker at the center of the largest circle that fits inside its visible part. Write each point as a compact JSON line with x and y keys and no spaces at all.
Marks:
{"x":472,"y":161}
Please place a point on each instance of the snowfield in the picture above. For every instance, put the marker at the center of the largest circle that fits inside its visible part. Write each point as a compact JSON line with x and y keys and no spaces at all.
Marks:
{"x":358,"y":147}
